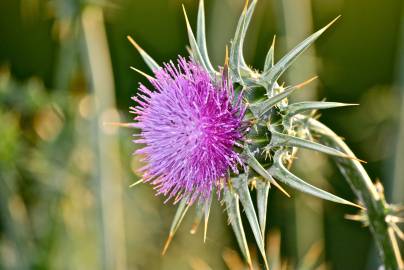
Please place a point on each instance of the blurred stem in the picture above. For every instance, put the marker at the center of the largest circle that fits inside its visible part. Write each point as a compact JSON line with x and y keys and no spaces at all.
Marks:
{"x":16,"y":231}
{"x":106,"y":140}
{"x":371,"y":198}
{"x":66,"y":59}
{"x":68,"y":29}
{"x":297,"y":25}
{"x":398,"y":180}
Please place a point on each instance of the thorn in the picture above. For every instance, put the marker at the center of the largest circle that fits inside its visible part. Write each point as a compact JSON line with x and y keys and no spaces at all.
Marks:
{"x":354,"y":217}
{"x":133,"y":42}
{"x":245,"y":6}
{"x":205,"y":229}
{"x":186,"y":17}
{"x":356,"y":159}
{"x":331,"y":23}
{"x":352,"y":158}
{"x":273,"y":41}
{"x":396,"y":248}
{"x":226,"y":57}
{"x":397,"y":230}
{"x":250,"y":266}
{"x":280,"y":188}
{"x":150,"y":78}
{"x":136,"y":183}
{"x":394,"y":219}
{"x":167,"y":244}
{"x":118,"y":124}
{"x":359,"y":206}
{"x":306,"y":82}
{"x":226,"y":66}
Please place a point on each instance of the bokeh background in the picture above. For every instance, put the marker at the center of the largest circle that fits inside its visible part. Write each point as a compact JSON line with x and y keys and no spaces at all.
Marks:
{"x":65,"y":200}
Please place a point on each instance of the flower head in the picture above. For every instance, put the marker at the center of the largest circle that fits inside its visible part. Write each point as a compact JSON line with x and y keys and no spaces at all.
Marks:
{"x":189,"y":126}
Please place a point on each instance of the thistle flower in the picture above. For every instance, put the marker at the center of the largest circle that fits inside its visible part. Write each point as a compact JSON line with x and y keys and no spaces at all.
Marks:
{"x":190,"y":126}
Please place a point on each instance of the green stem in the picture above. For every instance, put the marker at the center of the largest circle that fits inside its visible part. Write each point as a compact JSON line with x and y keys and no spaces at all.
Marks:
{"x":369,"y":196}
{"x":106,"y":146}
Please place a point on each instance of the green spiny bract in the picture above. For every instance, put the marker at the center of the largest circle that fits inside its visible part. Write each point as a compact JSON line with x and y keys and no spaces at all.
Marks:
{"x":278,"y":130}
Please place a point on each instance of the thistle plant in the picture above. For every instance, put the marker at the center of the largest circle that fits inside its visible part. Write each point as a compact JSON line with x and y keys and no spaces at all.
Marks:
{"x":222,"y":131}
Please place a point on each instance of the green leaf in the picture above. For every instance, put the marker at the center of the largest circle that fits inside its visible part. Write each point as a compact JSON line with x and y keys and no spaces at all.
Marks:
{"x":261,"y":108}
{"x":248,"y":17}
{"x":240,"y":72}
{"x":236,"y":49}
{"x":280,"y":139}
{"x":300,"y":107}
{"x":146,"y":57}
{"x":257,"y":167}
{"x":272,"y":75}
{"x":196,"y":53}
{"x":241,"y":186}
{"x":233,"y":211}
{"x":179,"y":216}
{"x":279,"y":171}
{"x":201,"y":37}
{"x":262,"y":203}
{"x":269,"y":59}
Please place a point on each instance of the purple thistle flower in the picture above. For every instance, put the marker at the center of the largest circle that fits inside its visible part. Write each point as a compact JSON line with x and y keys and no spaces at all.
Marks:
{"x":189,"y":126}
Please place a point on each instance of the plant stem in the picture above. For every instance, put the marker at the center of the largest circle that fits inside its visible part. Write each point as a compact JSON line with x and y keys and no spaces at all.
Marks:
{"x":100,"y":77}
{"x":371,"y":198}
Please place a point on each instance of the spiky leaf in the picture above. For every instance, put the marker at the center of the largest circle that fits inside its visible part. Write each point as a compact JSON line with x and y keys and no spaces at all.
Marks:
{"x":150,"y":62}
{"x":236,"y":49}
{"x":202,"y":210}
{"x":233,"y":211}
{"x":269,"y":78}
{"x":269,"y":59}
{"x":280,"y":139}
{"x":248,"y":18}
{"x":196,"y":53}
{"x":178,"y":217}
{"x":262,"y":188}
{"x":201,"y":37}
{"x":257,"y":167}
{"x":241,"y":186}
{"x":299,"y":107}
{"x":279,"y":171}
{"x":261,"y":108}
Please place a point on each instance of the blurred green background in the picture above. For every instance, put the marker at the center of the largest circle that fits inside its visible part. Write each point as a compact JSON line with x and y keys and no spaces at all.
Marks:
{"x":65,"y":201}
